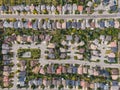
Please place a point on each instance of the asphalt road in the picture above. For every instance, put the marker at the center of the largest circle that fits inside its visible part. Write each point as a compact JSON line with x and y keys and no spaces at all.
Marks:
{"x":61,"y":16}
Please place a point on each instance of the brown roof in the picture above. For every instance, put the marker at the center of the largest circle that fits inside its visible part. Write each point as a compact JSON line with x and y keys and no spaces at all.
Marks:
{"x":115,"y":71}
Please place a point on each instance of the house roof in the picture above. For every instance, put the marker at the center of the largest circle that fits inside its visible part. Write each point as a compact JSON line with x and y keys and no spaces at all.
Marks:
{"x":115,"y":72}
{"x":113,"y":44}
{"x":41,"y":70}
{"x":68,"y":37}
{"x":84,"y":84}
{"x":51,"y":45}
{"x":80,"y":70}
{"x":111,"y":55}
{"x":80,"y":8}
{"x":5,"y":79}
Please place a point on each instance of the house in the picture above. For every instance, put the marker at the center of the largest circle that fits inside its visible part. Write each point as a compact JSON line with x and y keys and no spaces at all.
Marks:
{"x":80,"y":70}
{"x":111,"y":55}
{"x":49,"y":26}
{"x":117,"y":24}
{"x":95,"y":72}
{"x":112,"y":23}
{"x":15,"y":25}
{"x":29,"y":39}
{"x":74,"y":7}
{"x":49,"y":69}
{"x":21,"y":81}
{"x":74,"y":24}
{"x":44,"y":82}
{"x":64,"y":69}
{"x":6,"y":68}
{"x":63,"y":55}
{"x":33,"y":63}
{"x":59,"y":8}
{"x":54,"y":81}
{"x":80,"y":8}
{"x":22,"y":78}
{"x":20,"y":24}
{"x":113,"y":44}
{"x":1,"y":24}
{"x":59,"y":81}
{"x":114,"y":73}
{"x":68,"y":24}
{"x":88,"y":9}
{"x":102,"y":24}
{"x":80,"y":56}
{"x":48,"y":7}
{"x":42,"y":70}
{"x":29,"y":24}
{"x":53,"y":8}
{"x":51,"y":45}
{"x":59,"y":70}
{"x":81,"y":50}
{"x":84,"y":84}
{"x":5,"y":81}
{"x":85,"y":70}
{"x":64,"y":82}
{"x":32,"y":7}
{"x":5,"y":24}
{"x":69,"y":37}
{"x":58,"y":25}
{"x":105,"y":2}
{"x":78,"y":25}
{"x":74,"y":69}
{"x":36,"y":69}
{"x":35,"y":25}
{"x":64,"y":25}
{"x":92,"y":85}
{"x":6,"y":57}
{"x":90,"y":71}
{"x":113,"y":8}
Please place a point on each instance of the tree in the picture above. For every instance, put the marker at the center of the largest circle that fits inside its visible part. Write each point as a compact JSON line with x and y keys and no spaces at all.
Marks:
{"x":52,"y":86}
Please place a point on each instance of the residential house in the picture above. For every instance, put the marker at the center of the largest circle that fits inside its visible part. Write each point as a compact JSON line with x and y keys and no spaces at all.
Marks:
{"x":114,"y":74}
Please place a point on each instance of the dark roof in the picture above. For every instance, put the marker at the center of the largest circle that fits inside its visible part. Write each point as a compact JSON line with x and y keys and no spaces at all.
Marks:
{"x":6,"y":62}
{"x":106,"y":1}
{"x":78,"y":24}
{"x":22,"y":73}
{"x":74,"y":24}
{"x":74,"y":69}
{"x":114,"y":49}
{"x":68,"y":24}
{"x":113,"y":8}
{"x":21,"y":79}
{"x":111,"y":22}
{"x":15,"y":24}
{"x":115,"y":83}
{"x":111,"y":60}
{"x":102,"y":24}
{"x":35,"y":24}
{"x":3,"y":8}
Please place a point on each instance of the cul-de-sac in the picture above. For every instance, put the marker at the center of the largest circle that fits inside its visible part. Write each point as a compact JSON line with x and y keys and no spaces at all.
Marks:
{"x":59,"y":44}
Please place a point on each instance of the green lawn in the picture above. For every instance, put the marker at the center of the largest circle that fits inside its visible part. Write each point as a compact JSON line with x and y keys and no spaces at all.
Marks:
{"x":34,"y":54}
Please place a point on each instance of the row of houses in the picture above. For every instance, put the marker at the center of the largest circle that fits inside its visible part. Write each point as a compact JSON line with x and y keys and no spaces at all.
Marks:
{"x":59,"y":9}
{"x":7,"y":69}
{"x":27,"y":39}
{"x":73,"y":69}
{"x":61,"y":24}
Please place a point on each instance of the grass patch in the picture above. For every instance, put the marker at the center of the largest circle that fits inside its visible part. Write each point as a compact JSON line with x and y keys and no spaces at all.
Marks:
{"x":28,"y":54}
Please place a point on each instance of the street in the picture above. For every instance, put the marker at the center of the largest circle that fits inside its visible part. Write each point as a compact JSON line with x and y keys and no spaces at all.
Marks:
{"x":77,"y":16}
